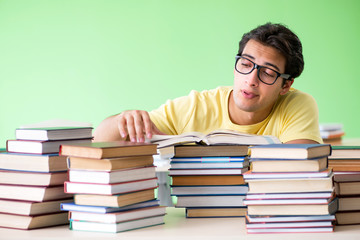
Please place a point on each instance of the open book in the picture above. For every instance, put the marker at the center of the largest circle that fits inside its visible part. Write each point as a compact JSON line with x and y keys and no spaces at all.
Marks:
{"x":217,"y":137}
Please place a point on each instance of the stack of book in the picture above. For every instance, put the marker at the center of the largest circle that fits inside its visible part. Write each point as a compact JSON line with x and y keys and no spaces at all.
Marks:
{"x":114,"y":185}
{"x":206,"y":170}
{"x":332,"y":133}
{"x":290,"y":189}
{"x":32,"y":176}
{"x":345,"y":162}
{"x":208,"y":181}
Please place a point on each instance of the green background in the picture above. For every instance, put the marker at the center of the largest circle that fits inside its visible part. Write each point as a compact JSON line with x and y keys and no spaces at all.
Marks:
{"x":87,"y":60}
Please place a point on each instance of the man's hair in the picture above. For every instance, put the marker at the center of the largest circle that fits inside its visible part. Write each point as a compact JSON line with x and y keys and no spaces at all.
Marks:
{"x":281,"y":38}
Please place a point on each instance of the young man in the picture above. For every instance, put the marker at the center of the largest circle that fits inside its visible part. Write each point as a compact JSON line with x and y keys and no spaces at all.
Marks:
{"x":260,"y":102}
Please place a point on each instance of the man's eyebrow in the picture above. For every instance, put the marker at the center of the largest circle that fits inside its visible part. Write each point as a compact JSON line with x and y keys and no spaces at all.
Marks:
{"x":266,"y":63}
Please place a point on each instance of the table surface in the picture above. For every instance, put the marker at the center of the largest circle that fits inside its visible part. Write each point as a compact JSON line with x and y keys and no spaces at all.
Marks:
{"x":178,"y":227}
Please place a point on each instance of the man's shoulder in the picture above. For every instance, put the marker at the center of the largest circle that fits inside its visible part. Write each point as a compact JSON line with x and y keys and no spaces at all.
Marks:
{"x":297,"y":95}
{"x":222,"y":90}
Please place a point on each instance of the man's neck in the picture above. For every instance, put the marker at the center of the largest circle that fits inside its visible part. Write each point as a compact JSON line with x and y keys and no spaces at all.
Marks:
{"x":240,"y":117}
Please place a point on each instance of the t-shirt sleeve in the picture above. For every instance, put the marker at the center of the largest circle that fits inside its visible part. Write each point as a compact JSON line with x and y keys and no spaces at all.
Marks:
{"x":172,"y":117}
{"x":301,"y":118}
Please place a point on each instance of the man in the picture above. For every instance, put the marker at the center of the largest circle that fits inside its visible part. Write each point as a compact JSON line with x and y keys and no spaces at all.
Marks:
{"x":260,"y":102}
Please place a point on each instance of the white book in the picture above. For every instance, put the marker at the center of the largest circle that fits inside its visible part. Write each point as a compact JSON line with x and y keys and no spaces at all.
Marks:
{"x":125,"y":175}
{"x":110,"y":189}
{"x":116,"y":227}
{"x":117,"y":216}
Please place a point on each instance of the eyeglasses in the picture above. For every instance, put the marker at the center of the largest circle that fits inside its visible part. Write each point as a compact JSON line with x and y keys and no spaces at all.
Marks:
{"x":265,"y":74}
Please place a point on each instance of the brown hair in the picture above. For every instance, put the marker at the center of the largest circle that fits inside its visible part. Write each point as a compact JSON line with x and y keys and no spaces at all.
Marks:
{"x":281,"y":38}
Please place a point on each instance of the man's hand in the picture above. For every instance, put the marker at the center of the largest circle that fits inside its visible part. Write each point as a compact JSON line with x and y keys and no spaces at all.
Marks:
{"x":136,"y":124}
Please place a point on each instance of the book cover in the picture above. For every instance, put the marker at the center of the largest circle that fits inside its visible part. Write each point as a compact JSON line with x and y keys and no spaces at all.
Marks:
{"x":119,"y":200}
{"x":53,"y":133}
{"x":116,"y":227}
{"x":116,"y":217}
{"x":347,"y":188}
{"x":345,"y":152}
{"x":286,"y":175}
{"x":32,"y":222}
{"x":207,"y":171}
{"x":347,"y":218}
{"x":116,"y":176}
{"x":110,"y":189}
{"x":206,"y":180}
{"x":31,"y":208}
{"x":215,"y":212}
{"x":211,"y":201}
{"x":274,"y":219}
{"x":294,"y":209}
{"x":71,"y":206}
{"x":110,"y":164}
{"x":40,"y":147}
{"x":297,"y":196}
{"x":100,"y":150}
{"x":290,"y":151}
{"x":32,"y":162}
{"x":32,"y":178}
{"x":197,"y":150}
{"x":32,"y":193}
{"x":290,"y":185}
{"x":209,"y":190}
{"x":289,"y":165}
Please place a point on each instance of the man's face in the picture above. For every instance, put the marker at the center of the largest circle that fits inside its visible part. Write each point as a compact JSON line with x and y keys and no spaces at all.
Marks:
{"x":252,"y":95}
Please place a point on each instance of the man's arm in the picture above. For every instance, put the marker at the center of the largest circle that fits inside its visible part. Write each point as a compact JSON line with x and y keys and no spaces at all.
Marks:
{"x":134,"y":124}
{"x":302,"y":141}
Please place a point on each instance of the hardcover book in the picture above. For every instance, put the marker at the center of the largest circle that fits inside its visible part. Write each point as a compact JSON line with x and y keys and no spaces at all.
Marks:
{"x":294,"y":209}
{"x":110,"y":164}
{"x":31,"y":208}
{"x":32,"y":193}
{"x":70,"y":206}
{"x":199,"y":150}
{"x":110,"y":189}
{"x":116,"y":176}
{"x":33,"y":178}
{"x":290,"y":151}
{"x":288,"y":165}
{"x":119,"y":200}
{"x":116,"y":217}
{"x":211,"y":212}
{"x":290,"y":185}
{"x":32,"y":222}
{"x":100,"y":150}
{"x":207,"y":180}
{"x":53,"y":133}
{"x":209,"y":190}
{"x":116,"y":227}
{"x":40,"y":147}
{"x":32,"y":162}
{"x":211,"y":201}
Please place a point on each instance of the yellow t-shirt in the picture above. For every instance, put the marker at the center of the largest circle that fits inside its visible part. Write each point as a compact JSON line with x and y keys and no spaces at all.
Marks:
{"x":294,"y":115}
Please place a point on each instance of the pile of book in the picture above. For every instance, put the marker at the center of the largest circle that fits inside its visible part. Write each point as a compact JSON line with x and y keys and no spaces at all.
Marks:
{"x":207,"y":179}
{"x":32,"y":177}
{"x":113,"y":185}
{"x":332,"y":133}
{"x":290,"y":189}
{"x":345,"y":162}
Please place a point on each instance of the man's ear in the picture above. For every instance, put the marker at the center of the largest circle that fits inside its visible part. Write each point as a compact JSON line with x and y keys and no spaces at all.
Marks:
{"x":286,"y":87}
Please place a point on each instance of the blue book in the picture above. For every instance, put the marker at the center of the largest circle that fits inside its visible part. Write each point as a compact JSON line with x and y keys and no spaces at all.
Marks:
{"x":290,"y":151}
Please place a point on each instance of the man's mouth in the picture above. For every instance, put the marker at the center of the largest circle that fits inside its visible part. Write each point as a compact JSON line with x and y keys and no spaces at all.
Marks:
{"x":248,"y":94}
